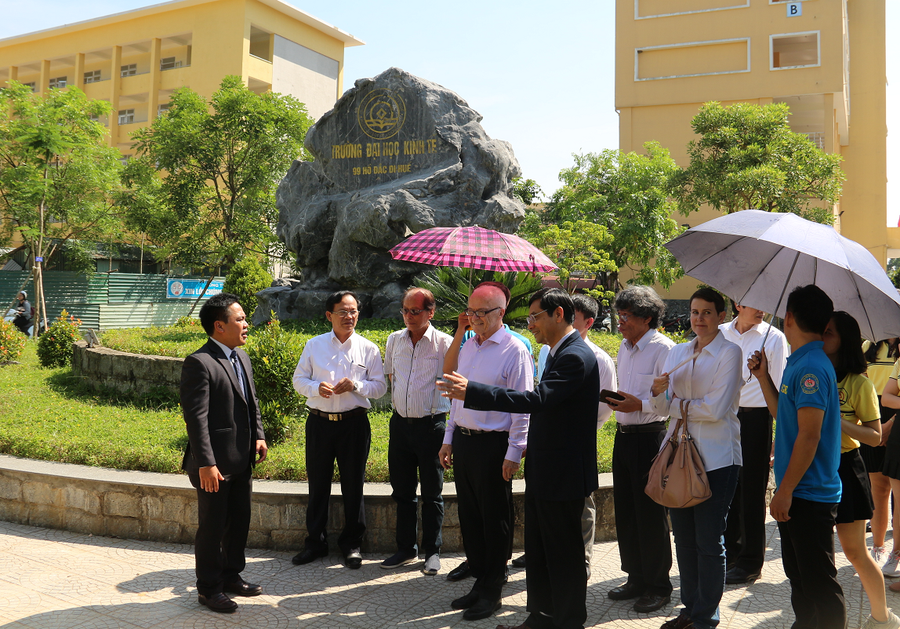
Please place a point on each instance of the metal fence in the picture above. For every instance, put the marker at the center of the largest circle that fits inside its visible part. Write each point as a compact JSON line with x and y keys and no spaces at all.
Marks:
{"x":103,"y":301}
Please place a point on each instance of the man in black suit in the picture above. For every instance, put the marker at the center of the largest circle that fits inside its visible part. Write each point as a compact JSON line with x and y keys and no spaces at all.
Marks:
{"x":226,"y":439}
{"x":561,"y":459}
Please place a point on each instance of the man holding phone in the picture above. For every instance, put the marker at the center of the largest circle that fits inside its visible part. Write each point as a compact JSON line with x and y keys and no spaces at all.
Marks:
{"x":641,"y":525}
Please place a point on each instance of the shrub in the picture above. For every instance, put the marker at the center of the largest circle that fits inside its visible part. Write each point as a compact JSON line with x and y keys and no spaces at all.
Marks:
{"x":245,"y":279}
{"x":54,"y":347}
{"x":12,"y":342}
{"x":189,"y":323}
{"x":275,"y":353}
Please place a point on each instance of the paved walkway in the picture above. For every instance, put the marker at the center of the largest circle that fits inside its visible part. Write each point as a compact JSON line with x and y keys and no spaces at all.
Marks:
{"x":52,"y":578}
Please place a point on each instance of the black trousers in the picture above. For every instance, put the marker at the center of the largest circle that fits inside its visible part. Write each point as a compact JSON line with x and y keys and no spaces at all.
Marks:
{"x":745,"y":535}
{"x":485,"y":507}
{"x":807,"y":552}
{"x":223,"y":521}
{"x":413,"y":454}
{"x":347,"y":442}
{"x":642,"y":528}
{"x":556,"y":577}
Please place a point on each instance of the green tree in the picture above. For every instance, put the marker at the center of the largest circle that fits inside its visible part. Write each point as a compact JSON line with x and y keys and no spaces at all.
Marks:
{"x":57,"y":174}
{"x":246,"y":278}
{"x":526,"y":190}
{"x":747,"y":157}
{"x":627,"y":194}
{"x":452,"y":286}
{"x":580,"y":249}
{"x":203,"y":185}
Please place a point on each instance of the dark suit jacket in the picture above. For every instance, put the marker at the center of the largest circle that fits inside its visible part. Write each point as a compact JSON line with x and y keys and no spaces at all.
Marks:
{"x":216,"y":413}
{"x":561,"y":461}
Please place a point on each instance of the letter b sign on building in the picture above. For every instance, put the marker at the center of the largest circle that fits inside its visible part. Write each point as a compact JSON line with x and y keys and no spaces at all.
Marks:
{"x":794,"y":9}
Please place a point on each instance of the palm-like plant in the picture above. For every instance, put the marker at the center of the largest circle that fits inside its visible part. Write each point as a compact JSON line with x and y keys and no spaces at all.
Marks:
{"x":452,"y":285}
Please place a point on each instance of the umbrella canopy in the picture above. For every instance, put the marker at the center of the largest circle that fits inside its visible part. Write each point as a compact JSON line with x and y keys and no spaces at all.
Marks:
{"x":472,"y":248}
{"x":757,"y":257}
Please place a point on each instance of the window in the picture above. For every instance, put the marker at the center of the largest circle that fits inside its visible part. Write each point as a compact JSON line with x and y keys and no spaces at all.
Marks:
{"x":795,"y":50}
{"x":92,"y":77}
{"x":129,"y":70}
{"x":31,"y":84}
{"x":59,"y":82}
{"x":126,"y":116}
{"x":163,"y":108}
{"x":168,"y":63}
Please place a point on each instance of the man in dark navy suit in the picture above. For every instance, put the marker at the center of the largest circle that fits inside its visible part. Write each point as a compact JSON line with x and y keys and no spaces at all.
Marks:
{"x":226,"y":439}
{"x":560,"y":463}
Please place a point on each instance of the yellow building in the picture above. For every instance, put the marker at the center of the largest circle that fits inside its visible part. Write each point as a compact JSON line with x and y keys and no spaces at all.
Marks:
{"x":136,"y":59}
{"x":824,"y":58}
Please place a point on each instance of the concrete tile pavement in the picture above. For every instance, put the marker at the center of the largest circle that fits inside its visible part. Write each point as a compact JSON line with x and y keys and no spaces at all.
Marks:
{"x":51,"y":578}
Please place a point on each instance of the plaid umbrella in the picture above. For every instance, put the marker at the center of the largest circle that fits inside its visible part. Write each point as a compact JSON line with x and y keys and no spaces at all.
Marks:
{"x":472,"y":248}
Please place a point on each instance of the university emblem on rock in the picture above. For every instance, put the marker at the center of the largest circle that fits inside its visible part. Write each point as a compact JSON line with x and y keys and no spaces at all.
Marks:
{"x":381,"y":114}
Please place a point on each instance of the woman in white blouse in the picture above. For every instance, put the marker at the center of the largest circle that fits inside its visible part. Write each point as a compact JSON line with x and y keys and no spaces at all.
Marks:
{"x":710,"y":381}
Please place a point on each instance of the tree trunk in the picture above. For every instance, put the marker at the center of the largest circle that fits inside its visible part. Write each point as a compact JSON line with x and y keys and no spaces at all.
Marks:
{"x":200,"y":296}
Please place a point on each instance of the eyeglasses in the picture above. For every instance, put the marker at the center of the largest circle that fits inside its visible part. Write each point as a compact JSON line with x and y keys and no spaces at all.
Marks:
{"x":479,"y":314}
{"x":412,"y":311}
{"x":533,"y":317}
{"x":346,"y":314}
{"x":623,"y":317}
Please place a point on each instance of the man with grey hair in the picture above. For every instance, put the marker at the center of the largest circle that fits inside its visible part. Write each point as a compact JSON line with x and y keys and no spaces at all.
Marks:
{"x":641,"y":525}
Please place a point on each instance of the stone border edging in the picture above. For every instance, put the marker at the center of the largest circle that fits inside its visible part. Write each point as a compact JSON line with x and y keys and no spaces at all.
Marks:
{"x":163,"y":507}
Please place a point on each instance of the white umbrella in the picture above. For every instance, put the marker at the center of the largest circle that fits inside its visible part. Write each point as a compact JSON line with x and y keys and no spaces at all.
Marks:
{"x":756,"y":258}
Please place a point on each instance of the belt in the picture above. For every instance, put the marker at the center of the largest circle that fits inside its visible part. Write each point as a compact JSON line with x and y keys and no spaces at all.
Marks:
{"x":336,"y":417}
{"x":631,"y":428}
{"x":411,"y":420}
{"x":750,"y":409}
{"x":471,"y":431}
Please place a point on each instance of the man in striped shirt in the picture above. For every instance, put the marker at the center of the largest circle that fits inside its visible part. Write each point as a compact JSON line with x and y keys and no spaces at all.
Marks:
{"x":413,"y":360}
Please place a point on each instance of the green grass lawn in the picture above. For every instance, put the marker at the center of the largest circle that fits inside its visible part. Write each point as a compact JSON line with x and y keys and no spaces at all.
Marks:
{"x":50,"y":414}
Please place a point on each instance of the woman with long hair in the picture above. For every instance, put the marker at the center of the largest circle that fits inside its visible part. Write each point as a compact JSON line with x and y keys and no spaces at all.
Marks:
{"x":880,"y":357}
{"x":860,"y":424}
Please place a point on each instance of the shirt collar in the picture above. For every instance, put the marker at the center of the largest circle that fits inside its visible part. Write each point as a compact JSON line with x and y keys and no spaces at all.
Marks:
{"x":335,"y":339}
{"x":643,"y":341}
{"x":225,"y":349}
{"x":804,"y":349}
{"x":429,"y":332}
{"x":497,"y":336}
{"x":559,"y":342}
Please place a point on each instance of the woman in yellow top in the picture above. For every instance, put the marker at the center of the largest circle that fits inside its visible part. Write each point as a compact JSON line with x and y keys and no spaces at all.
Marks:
{"x":860,"y":423}
{"x":880,"y":356}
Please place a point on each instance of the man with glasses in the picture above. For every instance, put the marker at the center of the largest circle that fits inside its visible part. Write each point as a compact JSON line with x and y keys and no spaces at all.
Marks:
{"x":413,"y":360}
{"x":485,"y":449}
{"x":642,"y":529}
{"x":338,"y":372}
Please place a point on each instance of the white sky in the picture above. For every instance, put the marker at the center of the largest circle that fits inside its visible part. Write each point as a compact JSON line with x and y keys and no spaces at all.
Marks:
{"x":541,"y":73}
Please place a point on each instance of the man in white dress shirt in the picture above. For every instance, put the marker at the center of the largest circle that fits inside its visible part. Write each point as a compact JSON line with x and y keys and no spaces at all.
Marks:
{"x":338,"y":372}
{"x":485,"y":450}
{"x":413,"y":360}
{"x":745,"y":534}
{"x":642,"y":528}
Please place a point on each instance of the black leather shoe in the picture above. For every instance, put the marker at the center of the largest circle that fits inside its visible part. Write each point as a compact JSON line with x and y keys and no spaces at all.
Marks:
{"x":242,"y":588}
{"x":519,"y":562}
{"x":308,"y":555}
{"x":739,"y":575}
{"x":218,"y":602}
{"x":353,"y":559}
{"x":465,"y":602}
{"x":482,"y":609}
{"x":460,"y":572}
{"x":650,"y":603}
{"x":626,"y":591}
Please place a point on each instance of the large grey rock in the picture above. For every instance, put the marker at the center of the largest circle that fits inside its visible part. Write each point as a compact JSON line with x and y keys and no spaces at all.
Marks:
{"x":396,"y":155}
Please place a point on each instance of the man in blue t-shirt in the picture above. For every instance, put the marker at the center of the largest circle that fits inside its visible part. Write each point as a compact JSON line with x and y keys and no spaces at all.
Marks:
{"x":807,"y":454}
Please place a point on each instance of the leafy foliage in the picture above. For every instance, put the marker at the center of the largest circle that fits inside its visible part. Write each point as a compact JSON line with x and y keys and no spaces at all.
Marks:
{"x":54,"y":347}
{"x":12,"y":342}
{"x":246,"y":278}
{"x":748,"y":157}
{"x":222,"y":162}
{"x":453,"y":285}
{"x":275,"y":353}
{"x":526,"y":190}
{"x":628,"y":195}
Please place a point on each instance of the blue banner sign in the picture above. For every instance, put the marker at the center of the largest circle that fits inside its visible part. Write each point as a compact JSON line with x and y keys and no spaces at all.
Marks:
{"x":191,"y":289}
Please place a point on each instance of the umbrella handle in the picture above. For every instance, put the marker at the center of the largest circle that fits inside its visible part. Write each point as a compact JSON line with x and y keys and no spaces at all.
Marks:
{"x":762,"y":347}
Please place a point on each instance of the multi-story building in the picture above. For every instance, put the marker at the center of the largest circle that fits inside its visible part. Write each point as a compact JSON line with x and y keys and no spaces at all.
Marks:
{"x":824,"y":58}
{"x":136,"y":59}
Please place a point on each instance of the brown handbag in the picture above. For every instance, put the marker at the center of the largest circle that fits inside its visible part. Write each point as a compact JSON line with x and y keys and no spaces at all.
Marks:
{"x":677,"y":476}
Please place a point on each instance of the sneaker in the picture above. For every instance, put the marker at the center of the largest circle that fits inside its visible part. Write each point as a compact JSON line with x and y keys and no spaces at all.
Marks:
{"x":879,"y":554}
{"x":399,"y":558}
{"x":432,"y":564}
{"x":892,"y":622}
{"x":891,"y":567}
